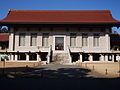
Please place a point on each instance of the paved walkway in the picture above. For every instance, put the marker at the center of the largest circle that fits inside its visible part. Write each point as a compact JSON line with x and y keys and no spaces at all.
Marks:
{"x":66,"y":71}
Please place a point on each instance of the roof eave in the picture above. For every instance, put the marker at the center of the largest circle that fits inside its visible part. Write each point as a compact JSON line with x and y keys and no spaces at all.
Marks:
{"x":109,"y":23}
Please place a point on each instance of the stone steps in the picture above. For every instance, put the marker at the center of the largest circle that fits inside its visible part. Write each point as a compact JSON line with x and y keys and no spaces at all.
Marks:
{"x":60,"y":58}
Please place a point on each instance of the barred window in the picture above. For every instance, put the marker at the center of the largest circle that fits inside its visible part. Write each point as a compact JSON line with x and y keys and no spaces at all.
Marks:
{"x":22,"y":39}
{"x":73,"y":39}
{"x":45,"y":39}
{"x":33,"y":41}
{"x":84,"y":39}
{"x":96,"y":40}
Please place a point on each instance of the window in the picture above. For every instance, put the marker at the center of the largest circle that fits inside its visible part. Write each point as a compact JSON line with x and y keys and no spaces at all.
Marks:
{"x":84,"y":39}
{"x":73,"y":39}
{"x":96,"y":40}
{"x":33,"y":41}
{"x":45,"y":39}
{"x":22,"y":39}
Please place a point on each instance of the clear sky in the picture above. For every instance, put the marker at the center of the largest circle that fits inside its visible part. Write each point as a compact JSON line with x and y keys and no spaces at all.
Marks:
{"x":113,"y":5}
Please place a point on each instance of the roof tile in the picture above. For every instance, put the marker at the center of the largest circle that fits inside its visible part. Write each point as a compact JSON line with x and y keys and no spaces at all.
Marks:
{"x":59,"y":16}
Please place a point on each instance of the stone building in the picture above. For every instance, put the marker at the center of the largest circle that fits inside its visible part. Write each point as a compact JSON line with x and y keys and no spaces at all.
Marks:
{"x":61,"y":36}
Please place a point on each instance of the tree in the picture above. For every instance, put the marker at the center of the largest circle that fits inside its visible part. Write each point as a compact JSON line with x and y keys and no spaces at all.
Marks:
{"x":4,"y":29}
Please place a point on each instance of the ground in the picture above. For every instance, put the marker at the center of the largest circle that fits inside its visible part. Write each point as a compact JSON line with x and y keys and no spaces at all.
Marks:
{"x":109,"y":69}
{"x":57,"y":77}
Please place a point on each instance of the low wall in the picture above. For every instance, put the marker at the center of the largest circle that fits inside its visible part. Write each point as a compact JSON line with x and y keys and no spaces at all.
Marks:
{"x":18,"y":64}
{"x":106,"y":69}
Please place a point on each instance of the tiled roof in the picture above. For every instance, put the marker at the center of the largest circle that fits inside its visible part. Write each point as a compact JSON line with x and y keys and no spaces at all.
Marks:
{"x":59,"y":16}
{"x":4,"y":37}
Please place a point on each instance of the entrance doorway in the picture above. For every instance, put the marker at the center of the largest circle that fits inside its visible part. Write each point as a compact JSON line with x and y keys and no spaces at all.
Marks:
{"x":59,"y":43}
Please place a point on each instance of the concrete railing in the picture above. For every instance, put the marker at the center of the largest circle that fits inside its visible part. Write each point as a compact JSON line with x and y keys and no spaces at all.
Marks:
{"x":76,"y":49}
{"x":68,"y":50}
{"x":49,"y":54}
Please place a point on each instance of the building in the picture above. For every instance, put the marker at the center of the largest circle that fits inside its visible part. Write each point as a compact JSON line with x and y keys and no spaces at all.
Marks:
{"x":61,"y":36}
{"x":4,"y":39}
{"x":115,"y":42}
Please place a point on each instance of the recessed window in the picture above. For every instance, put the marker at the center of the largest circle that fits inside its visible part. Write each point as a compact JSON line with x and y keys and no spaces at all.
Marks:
{"x":22,"y":39}
{"x":73,"y":39}
{"x":33,"y":41}
{"x":84,"y":39}
{"x":96,"y":40}
{"x":45,"y":39}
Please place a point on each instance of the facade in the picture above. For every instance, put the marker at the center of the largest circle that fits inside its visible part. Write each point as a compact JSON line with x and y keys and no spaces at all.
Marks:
{"x":60,"y":36}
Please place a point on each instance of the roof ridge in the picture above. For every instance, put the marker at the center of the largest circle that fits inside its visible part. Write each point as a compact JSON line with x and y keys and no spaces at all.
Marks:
{"x":85,"y":11}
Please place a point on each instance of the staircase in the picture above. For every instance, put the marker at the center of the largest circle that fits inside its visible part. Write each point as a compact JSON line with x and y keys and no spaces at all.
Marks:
{"x":60,"y":58}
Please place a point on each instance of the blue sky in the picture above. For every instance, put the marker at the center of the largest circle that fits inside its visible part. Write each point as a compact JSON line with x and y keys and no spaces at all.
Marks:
{"x":113,"y":5}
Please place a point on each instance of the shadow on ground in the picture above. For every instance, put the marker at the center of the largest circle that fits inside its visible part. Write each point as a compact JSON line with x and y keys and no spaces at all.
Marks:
{"x":43,"y":78}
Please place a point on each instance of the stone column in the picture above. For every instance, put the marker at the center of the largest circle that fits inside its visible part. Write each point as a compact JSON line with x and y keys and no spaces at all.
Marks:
{"x":48,"y":59}
{"x":12,"y":57}
{"x":106,"y":57}
{"x":107,"y":42}
{"x":90,"y":57}
{"x":112,"y":57}
{"x":117,"y":57}
{"x":27,"y":57}
{"x":80,"y":57}
{"x":38,"y":57}
{"x":16,"y":57}
{"x":102,"y":57}
{"x":11,"y":37}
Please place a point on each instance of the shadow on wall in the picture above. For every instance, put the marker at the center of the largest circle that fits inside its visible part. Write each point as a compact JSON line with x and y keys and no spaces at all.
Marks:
{"x":26,"y":78}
